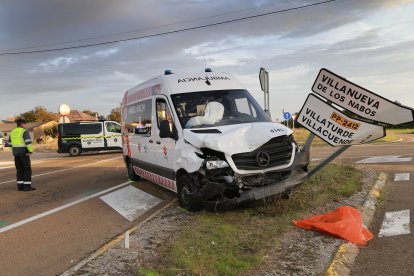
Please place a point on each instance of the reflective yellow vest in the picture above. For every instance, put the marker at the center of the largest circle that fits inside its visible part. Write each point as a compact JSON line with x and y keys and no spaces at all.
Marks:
{"x":17,"y":139}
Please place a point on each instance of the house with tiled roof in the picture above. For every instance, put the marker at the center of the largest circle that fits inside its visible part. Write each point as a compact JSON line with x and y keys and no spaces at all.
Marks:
{"x":79,"y":116}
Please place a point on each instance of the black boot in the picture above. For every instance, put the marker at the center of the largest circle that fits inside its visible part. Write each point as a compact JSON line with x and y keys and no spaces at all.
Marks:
{"x":20,"y":187}
{"x":28,"y":188}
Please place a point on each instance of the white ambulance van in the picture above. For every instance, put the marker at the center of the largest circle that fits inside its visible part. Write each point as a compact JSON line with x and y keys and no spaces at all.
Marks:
{"x":203,"y":136}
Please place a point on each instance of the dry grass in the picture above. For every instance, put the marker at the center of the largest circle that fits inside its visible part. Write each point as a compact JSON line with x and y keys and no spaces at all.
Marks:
{"x":51,"y":145}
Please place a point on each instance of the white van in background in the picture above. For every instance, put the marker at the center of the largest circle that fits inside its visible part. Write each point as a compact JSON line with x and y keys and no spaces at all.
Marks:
{"x":78,"y":137}
{"x":1,"y":141}
{"x":203,"y":136}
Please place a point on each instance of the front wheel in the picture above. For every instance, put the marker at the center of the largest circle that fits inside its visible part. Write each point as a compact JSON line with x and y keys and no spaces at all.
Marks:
{"x":185,"y":188}
{"x":131,"y":172}
{"x":75,"y":150}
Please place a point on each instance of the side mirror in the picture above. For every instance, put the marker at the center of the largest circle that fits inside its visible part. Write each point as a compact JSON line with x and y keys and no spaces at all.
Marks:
{"x":168,"y":132}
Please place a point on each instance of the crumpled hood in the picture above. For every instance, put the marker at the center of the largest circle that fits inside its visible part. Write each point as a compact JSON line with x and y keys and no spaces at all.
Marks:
{"x":235,"y":139}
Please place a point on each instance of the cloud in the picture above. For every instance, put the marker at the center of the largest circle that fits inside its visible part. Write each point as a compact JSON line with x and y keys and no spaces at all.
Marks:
{"x":370,"y":41}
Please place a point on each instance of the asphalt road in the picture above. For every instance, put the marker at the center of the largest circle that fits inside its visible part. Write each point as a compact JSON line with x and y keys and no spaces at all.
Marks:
{"x":386,"y":255}
{"x":46,"y":231}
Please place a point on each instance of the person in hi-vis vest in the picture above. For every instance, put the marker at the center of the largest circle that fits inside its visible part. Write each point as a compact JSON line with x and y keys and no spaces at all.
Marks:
{"x":22,"y":146}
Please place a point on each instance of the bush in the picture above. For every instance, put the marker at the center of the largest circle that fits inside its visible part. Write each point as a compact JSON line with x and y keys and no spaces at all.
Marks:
{"x":51,"y":131}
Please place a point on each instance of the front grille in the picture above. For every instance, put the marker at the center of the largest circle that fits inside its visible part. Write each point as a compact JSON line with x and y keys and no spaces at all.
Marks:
{"x":279,"y":149}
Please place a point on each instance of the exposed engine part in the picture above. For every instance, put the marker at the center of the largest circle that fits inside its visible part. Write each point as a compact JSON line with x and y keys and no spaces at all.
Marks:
{"x":261,"y":180}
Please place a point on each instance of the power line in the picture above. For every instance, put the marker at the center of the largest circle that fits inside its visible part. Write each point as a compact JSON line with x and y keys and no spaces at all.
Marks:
{"x":168,"y":32}
{"x":148,"y":28}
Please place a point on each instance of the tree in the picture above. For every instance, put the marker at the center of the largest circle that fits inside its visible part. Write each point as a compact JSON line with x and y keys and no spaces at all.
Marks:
{"x":115,"y":115}
{"x":38,"y":114}
{"x":28,"y":116}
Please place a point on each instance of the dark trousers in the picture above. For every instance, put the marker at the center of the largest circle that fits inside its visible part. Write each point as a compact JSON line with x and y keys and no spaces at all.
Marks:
{"x":23,"y":168}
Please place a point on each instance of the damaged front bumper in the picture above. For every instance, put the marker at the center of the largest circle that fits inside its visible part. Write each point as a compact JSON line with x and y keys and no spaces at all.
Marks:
{"x":298,"y":175}
{"x":255,"y":194}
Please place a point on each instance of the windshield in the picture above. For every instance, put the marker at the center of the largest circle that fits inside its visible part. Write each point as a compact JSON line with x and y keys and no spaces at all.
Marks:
{"x":217,"y":108}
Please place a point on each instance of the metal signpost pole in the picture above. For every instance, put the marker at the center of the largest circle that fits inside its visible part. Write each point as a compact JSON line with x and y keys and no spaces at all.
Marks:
{"x":267,"y":93}
{"x":327,"y":160}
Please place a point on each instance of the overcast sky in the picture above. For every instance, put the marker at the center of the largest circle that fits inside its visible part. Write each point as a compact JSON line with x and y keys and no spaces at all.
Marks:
{"x":370,"y":42}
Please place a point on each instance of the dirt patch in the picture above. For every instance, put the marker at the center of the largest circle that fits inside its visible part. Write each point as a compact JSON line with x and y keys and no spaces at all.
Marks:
{"x":146,"y":245}
{"x":300,"y":252}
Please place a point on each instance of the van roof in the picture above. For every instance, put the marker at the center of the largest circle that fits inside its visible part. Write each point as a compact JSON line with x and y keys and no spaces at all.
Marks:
{"x":181,"y":83}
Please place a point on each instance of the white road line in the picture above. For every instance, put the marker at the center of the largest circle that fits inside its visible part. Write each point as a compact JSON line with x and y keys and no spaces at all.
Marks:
{"x":395,"y":223}
{"x":33,"y":162}
{"x":402,"y":177}
{"x":20,"y":223}
{"x":130,"y":202}
{"x":385,"y":159}
{"x":77,"y":167}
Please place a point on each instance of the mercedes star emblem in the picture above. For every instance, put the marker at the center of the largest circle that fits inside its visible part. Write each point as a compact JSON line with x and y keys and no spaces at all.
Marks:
{"x":262,"y":159}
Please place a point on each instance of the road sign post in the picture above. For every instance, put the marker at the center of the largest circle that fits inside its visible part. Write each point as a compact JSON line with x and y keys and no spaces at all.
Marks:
{"x":264,"y":84}
{"x":64,"y":110}
{"x":293,"y":120}
{"x":287,"y":116}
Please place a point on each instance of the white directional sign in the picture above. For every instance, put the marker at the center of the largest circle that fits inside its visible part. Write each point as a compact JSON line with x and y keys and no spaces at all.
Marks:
{"x":333,"y":126}
{"x":359,"y":100}
{"x":264,"y":80}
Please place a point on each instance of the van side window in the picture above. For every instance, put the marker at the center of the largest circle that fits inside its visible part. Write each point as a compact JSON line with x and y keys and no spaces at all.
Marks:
{"x":112,"y":127}
{"x":78,"y":129}
{"x":138,"y":119}
{"x":163,"y":112}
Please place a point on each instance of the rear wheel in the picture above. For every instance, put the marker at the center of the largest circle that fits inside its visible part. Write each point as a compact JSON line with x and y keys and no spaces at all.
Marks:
{"x":185,"y":188}
{"x":131,"y":172}
{"x":75,"y":150}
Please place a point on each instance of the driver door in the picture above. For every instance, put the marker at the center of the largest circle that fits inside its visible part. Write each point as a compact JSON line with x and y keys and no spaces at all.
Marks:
{"x":165,"y":150}
{"x":113,"y":134}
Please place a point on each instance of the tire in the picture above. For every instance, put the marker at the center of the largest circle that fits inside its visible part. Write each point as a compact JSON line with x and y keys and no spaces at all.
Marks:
{"x":75,"y":150}
{"x":131,"y":173}
{"x":184,"y":187}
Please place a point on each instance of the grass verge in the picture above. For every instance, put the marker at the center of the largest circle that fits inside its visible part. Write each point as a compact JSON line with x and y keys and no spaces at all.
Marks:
{"x":234,"y":242}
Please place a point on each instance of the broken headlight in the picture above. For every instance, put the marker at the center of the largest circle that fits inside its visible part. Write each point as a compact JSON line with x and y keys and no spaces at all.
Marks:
{"x":216,"y":164}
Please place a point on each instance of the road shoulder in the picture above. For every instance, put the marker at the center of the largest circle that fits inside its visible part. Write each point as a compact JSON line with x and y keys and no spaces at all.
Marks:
{"x":347,"y":252}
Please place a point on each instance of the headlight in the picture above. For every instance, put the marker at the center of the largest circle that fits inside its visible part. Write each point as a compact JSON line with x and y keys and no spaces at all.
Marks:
{"x":216,"y":164}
